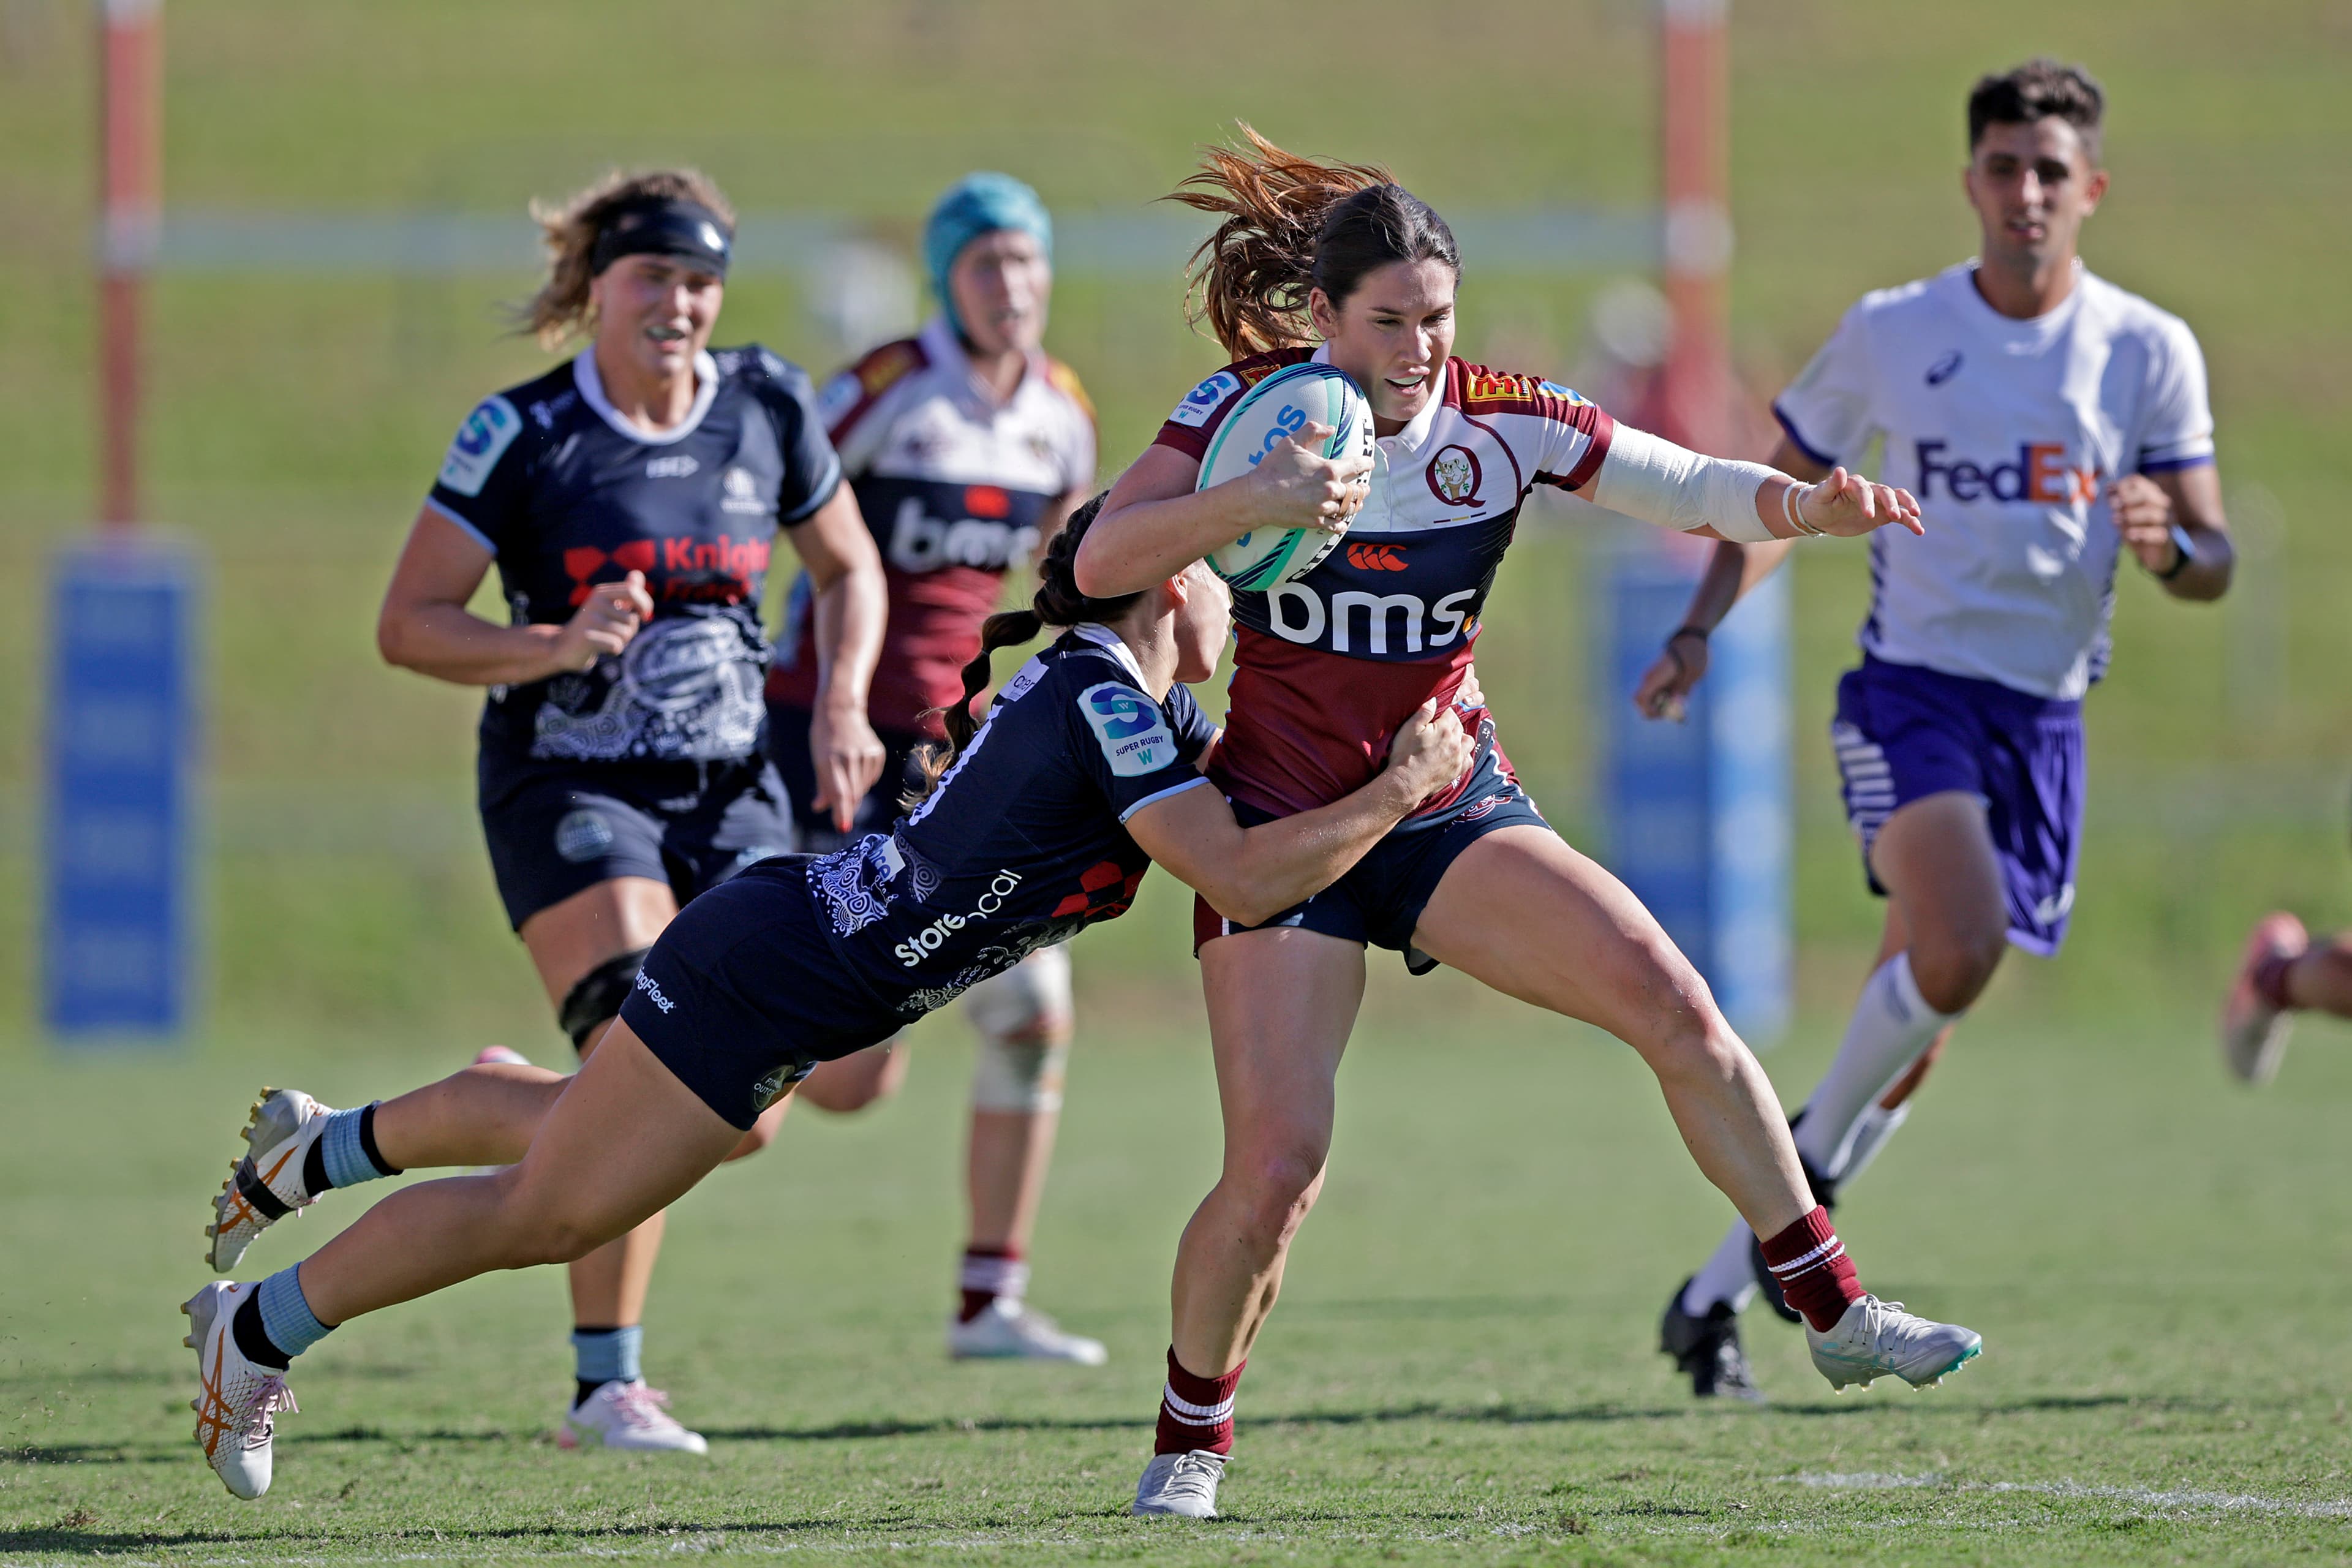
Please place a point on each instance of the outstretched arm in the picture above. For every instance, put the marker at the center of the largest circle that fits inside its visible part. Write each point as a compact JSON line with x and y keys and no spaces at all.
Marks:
{"x":1252,"y":874}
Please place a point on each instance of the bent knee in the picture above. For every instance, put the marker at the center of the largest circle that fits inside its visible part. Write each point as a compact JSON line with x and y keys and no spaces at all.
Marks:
{"x":1952,"y":972}
{"x":1278,"y":1185}
{"x":856,"y":1081}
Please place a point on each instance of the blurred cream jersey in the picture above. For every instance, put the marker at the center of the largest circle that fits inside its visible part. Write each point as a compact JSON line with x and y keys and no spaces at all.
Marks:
{"x":955,"y":484}
{"x":2009,"y":432}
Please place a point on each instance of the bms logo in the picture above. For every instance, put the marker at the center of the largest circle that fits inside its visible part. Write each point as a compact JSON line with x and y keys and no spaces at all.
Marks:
{"x":985,"y":537}
{"x":2040,"y":473}
{"x":1299,"y":615}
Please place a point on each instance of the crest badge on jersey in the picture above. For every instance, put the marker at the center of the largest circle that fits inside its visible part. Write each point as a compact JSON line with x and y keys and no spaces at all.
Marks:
{"x":481,"y":441}
{"x":1203,"y":399}
{"x":1454,"y":474}
{"x":1129,"y":726}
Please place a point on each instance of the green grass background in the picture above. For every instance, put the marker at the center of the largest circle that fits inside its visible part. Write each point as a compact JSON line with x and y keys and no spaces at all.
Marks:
{"x":1461,"y":1371}
{"x":296,"y":419}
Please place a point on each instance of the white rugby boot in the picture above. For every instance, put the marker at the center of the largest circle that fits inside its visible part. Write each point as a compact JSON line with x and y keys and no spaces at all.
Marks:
{"x":235,"y":1398}
{"x":628,"y":1415}
{"x":1875,"y":1338}
{"x":265,"y":1184}
{"x":1184,"y":1485}
{"x":1009,"y":1329}
{"x":2253,"y":1033}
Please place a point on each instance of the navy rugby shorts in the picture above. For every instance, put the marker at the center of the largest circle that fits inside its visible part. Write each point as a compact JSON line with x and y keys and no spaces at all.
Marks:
{"x":744,"y":996}
{"x":813,"y":830}
{"x":1379,"y":900}
{"x":1902,"y":732}
{"x":556,"y":830}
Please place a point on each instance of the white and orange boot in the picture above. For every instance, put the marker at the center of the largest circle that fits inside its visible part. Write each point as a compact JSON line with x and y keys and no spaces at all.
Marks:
{"x":265,"y":1184}
{"x":236,"y":1399}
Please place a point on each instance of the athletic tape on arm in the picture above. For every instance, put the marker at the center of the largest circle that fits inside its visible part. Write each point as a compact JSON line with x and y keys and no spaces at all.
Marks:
{"x":1654,"y":480}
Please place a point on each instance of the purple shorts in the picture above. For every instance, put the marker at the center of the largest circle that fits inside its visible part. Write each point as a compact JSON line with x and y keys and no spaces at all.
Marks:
{"x":1902,"y":732}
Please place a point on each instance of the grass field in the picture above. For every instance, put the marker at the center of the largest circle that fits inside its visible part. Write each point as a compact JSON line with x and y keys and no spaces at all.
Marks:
{"x":1462,"y":1370}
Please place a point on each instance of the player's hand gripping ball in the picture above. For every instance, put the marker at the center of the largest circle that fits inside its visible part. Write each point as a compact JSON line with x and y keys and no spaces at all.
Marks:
{"x":1306,"y":433}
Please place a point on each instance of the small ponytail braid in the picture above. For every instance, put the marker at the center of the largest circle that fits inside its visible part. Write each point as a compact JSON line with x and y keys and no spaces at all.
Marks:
{"x":1057,"y":603}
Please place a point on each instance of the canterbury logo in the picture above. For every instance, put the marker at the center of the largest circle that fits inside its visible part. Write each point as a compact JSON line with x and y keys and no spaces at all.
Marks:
{"x":1376,"y":557}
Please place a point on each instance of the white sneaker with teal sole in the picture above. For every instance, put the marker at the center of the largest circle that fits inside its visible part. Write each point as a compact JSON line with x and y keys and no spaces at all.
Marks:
{"x":265,"y":1184}
{"x":628,"y":1415}
{"x":235,"y":1398}
{"x":1011,"y":1330}
{"x":1183,"y":1484}
{"x":1877,"y":1338}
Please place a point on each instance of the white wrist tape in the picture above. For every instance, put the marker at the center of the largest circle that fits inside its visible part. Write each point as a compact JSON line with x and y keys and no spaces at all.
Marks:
{"x":1653,"y":481}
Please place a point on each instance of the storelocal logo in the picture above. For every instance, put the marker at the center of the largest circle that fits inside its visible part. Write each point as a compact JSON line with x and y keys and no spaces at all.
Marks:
{"x":932,"y":937}
{"x":2039,"y":474}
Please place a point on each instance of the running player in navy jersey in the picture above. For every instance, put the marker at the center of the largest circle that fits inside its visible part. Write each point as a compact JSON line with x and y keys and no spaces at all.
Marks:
{"x":1043,"y":820}
{"x":2051,"y":424}
{"x":629,"y":498}
{"x":967,"y":447}
{"x":1326,"y":666}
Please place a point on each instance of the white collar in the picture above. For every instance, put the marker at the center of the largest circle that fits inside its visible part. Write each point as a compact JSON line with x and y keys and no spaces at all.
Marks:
{"x":1417,"y":428}
{"x":1112,"y":643}
{"x":1964,"y":281}
{"x":942,"y":346}
{"x":592,"y":391}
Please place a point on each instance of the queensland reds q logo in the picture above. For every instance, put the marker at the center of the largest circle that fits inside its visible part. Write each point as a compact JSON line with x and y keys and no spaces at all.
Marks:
{"x":1453,"y":476}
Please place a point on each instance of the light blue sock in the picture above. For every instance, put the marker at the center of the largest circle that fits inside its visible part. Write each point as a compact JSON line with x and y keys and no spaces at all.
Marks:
{"x":343,"y":1152}
{"x":285,"y":1316}
{"x":609,"y":1355}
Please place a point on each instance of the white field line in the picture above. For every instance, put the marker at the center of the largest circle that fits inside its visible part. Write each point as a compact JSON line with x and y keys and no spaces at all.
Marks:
{"x":2225,"y":1502}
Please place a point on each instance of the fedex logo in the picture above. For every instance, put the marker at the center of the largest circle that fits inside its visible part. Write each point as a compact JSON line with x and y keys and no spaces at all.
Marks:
{"x":2040,"y":473}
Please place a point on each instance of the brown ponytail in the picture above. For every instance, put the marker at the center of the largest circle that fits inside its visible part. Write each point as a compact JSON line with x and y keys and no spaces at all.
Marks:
{"x":569,"y":230}
{"x":1292,"y":224}
{"x":1057,"y":603}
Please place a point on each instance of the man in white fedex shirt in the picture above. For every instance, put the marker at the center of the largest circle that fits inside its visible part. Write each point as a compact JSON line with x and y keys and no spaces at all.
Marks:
{"x":2050,"y":424}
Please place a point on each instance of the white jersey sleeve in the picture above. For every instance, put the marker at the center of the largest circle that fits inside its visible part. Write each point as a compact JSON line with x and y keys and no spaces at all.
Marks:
{"x":1826,"y":411}
{"x":2180,"y":431}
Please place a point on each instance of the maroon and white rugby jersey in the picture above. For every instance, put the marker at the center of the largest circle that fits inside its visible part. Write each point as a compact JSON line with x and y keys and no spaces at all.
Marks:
{"x":1326,"y":668}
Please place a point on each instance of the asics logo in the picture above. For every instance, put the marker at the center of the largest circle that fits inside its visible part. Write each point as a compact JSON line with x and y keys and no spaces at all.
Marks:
{"x":1377,"y":557}
{"x":1944,"y":369}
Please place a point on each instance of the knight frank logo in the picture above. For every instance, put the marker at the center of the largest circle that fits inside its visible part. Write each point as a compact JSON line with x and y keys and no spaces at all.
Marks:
{"x":1453,"y":476}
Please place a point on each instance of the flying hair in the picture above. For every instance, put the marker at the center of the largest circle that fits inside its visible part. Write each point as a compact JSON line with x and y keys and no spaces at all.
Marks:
{"x":1057,"y":603}
{"x":1289,"y":225}
{"x":569,"y":230}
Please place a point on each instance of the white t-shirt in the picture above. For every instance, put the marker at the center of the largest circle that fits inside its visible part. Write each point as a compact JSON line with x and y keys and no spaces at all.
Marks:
{"x":2010,"y":433}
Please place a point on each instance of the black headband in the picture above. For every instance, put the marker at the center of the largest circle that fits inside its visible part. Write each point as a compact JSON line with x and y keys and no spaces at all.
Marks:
{"x":664,"y":226}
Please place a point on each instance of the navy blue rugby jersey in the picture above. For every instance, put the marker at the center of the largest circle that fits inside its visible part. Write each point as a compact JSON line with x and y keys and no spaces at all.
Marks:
{"x":1024,"y":842}
{"x":566,"y":493}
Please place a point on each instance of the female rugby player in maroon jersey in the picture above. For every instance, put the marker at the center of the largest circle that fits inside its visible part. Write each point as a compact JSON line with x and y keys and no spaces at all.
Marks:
{"x":1327,"y":667}
{"x":629,"y":498}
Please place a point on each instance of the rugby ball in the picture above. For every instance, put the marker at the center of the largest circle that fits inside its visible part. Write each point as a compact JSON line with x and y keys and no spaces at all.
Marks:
{"x":1282,"y":404}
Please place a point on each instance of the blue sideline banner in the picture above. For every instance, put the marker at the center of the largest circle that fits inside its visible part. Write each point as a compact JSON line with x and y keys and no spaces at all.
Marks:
{"x":1698,"y":813}
{"x":120,"y":748}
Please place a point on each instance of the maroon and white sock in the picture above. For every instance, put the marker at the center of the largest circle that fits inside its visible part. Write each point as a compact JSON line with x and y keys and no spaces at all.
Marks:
{"x":1196,"y":1413}
{"x":1815,"y":1275}
{"x":990,"y":1272}
{"x":2270,"y":979}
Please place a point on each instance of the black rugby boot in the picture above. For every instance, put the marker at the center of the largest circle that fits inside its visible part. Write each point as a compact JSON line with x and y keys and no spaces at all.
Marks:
{"x":1707,"y":1349}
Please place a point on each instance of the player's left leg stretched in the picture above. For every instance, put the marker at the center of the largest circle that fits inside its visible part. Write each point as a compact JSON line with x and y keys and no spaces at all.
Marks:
{"x":1527,"y":915}
{"x":1023,"y":1016}
{"x":622,"y":1139}
{"x":1947,"y":928}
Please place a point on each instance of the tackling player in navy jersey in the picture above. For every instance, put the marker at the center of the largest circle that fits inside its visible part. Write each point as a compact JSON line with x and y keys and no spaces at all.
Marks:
{"x":1042,"y":821}
{"x":1326,"y":667}
{"x":628,"y":500}
{"x":2051,"y":424}
{"x":967,"y":446}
